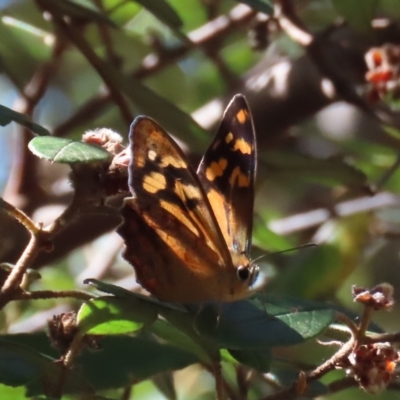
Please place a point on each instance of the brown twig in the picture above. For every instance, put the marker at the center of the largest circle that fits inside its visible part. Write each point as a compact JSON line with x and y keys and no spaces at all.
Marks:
{"x":292,"y":391}
{"x":305,"y":379}
{"x":20,"y":216}
{"x":15,"y":277}
{"x":87,"y":199}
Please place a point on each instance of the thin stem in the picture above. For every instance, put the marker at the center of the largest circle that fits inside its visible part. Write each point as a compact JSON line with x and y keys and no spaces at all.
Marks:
{"x":50,"y":294}
{"x":364,"y":323}
{"x":67,"y":362}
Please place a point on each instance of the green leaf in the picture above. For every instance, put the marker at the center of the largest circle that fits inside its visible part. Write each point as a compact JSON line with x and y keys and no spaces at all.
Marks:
{"x":7,"y":115}
{"x":111,"y":316}
{"x":163,"y":11}
{"x":66,"y":151}
{"x":14,"y":393}
{"x":264,"y":6}
{"x":126,"y":294}
{"x":263,"y":322}
{"x":21,"y":365}
{"x":125,"y":359}
{"x":357,"y":13}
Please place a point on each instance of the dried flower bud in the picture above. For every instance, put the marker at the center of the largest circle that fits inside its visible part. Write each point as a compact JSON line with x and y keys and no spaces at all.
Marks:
{"x":106,"y":138}
{"x":121,"y":160}
{"x":383,"y":71}
{"x":379,"y":297}
{"x":372,"y":365}
{"x":116,"y":180}
{"x":62,"y":330}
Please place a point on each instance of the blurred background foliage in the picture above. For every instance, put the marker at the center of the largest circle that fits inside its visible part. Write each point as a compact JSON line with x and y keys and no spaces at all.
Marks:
{"x":327,"y":174}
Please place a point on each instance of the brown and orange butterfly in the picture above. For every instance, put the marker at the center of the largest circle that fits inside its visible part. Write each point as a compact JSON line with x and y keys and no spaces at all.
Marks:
{"x":188,"y":235}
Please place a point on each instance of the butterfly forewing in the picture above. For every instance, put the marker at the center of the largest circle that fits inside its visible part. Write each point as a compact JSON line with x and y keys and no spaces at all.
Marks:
{"x":161,"y":174}
{"x":227,"y":173}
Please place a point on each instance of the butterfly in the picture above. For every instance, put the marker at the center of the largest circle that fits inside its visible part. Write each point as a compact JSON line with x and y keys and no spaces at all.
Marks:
{"x":188,"y":234}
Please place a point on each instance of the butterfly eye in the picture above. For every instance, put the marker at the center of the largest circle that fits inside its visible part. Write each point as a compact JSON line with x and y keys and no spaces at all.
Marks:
{"x":243,"y":273}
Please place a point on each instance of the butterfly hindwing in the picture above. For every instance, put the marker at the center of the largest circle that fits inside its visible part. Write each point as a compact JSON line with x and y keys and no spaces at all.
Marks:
{"x":227,"y":173}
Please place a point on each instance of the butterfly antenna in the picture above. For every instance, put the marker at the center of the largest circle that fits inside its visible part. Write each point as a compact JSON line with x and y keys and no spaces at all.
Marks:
{"x":304,"y":246}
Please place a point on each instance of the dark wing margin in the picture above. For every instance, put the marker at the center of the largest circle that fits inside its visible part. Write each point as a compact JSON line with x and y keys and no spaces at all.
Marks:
{"x":227,"y":173}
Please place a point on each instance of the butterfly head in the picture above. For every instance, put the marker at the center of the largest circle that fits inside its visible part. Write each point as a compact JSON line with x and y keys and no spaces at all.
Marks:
{"x":246,"y":271}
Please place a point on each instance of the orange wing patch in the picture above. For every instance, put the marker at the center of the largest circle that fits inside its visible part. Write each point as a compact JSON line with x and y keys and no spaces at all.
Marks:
{"x":216,"y":168}
{"x":243,"y":146}
{"x":239,"y":179}
{"x":242,"y":116}
{"x":154,"y":182}
{"x":229,"y":137}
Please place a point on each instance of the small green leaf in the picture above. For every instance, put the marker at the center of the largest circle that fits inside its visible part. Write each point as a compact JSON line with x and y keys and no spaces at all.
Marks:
{"x":163,"y":11}
{"x":394,"y":132}
{"x":108,"y":288}
{"x":112,"y":316}
{"x":66,"y":151}
{"x":7,"y":115}
{"x":82,"y":9}
{"x":264,"y":6}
